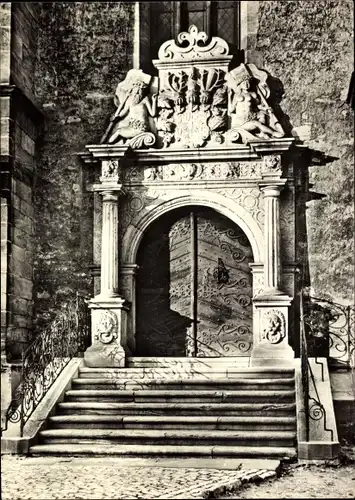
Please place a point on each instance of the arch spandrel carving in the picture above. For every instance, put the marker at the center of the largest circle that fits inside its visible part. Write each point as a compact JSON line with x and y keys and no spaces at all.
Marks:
{"x":165,"y":201}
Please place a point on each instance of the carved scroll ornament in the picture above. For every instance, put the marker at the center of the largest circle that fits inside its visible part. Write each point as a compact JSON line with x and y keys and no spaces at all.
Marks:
{"x":193,"y":45}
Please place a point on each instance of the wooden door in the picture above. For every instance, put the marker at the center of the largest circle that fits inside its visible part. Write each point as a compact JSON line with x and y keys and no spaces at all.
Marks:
{"x":194,"y":287}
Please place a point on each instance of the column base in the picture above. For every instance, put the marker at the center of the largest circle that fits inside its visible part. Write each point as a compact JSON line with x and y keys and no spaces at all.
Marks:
{"x":109,"y":333}
{"x":271,"y":346}
{"x":263,"y":355}
{"x":100,"y":356}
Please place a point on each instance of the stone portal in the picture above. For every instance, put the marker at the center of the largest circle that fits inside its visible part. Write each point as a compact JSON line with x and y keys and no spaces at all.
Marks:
{"x":181,"y":151}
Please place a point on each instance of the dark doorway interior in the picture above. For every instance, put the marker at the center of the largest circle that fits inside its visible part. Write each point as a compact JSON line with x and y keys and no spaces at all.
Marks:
{"x":194,"y":287}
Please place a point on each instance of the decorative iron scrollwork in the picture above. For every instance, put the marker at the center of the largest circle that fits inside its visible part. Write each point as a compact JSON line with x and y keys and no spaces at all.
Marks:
{"x":221,"y":273}
{"x":47,"y":356}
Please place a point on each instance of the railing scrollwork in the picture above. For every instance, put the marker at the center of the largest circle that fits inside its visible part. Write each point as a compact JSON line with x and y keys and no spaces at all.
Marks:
{"x":43,"y":361}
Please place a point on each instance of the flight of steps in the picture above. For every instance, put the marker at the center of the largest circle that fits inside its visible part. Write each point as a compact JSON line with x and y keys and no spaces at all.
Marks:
{"x":203,"y":407}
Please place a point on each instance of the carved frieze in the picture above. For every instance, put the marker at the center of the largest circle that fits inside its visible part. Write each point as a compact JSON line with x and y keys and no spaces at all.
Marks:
{"x":106,"y":327}
{"x":274,"y":326}
{"x":195,"y":171}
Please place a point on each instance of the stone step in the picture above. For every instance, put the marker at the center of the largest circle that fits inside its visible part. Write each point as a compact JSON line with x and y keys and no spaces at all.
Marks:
{"x":237,"y":361}
{"x":186,"y":384}
{"x":180,"y":395}
{"x":203,"y":371}
{"x":193,"y":437}
{"x":173,"y":422}
{"x":192,"y":408}
{"x":165,"y":450}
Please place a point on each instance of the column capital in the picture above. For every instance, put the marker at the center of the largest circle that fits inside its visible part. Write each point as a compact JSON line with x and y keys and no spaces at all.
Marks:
{"x":129,"y":269}
{"x":109,"y":189}
{"x":271,"y":190}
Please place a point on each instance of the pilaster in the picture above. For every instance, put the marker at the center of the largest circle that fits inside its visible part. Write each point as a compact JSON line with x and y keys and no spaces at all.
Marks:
{"x":109,"y":309}
{"x":271,"y":321}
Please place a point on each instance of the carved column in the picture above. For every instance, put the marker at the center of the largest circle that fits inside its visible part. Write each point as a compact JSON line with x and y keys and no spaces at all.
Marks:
{"x":271,"y":332}
{"x":109,"y":244}
{"x":109,"y":309}
{"x":272,"y":264}
{"x":128,"y":290}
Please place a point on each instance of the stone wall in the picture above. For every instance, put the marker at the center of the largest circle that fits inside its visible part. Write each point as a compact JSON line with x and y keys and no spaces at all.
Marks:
{"x":85,"y":49}
{"x":309,"y":47}
{"x":20,"y":120}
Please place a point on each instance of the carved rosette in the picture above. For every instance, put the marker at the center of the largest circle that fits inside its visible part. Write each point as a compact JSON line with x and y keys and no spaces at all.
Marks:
{"x":106,"y":327}
{"x":274,"y":326}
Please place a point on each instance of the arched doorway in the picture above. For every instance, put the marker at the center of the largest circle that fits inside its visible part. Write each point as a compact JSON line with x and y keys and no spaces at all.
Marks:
{"x":194,"y":286}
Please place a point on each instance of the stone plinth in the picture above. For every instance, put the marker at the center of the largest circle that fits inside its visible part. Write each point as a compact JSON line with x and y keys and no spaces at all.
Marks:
{"x":109,"y":332}
{"x":271,"y":339}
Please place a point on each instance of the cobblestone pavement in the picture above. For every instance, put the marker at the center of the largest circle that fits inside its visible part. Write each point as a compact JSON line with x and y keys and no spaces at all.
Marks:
{"x":304,"y":482}
{"x":46,"y":478}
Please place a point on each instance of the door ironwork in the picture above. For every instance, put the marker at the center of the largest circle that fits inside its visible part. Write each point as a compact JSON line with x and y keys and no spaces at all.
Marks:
{"x":194,"y":287}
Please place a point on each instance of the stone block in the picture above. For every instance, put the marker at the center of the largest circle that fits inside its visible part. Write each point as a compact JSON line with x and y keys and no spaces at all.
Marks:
{"x":5,"y":143}
{"x":5,"y":124}
{"x":23,"y":191}
{"x":27,"y":208}
{"x":5,"y":37}
{"x":22,"y":268}
{"x":28,"y":144}
{"x":18,"y":320}
{"x":20,"y":237}
{"x":5,"y":58}
{"x":18,"y":253}
{"x":5,"y":14}
{"x":5,"y":106}
{"x":20,"y":305}
{"x":22,"y":287}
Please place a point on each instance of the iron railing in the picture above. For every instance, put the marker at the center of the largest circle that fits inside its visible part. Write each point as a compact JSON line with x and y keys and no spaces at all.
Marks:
{"x":335,"y":323}
{"x":313,"y":407}
{"x":43,"y":361}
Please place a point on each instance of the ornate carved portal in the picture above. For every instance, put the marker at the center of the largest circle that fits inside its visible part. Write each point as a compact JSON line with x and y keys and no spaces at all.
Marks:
{"x":194,"y":287}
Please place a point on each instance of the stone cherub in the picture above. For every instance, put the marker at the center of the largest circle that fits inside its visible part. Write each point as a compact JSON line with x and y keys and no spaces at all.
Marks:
{"x":251,"y":116}
{"x":134,"y":107}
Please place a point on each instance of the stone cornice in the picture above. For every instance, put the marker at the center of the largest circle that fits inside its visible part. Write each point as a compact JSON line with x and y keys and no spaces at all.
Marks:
{"x":254,"y":151}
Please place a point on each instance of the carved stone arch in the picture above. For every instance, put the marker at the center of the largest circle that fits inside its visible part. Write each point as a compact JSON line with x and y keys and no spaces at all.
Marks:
{"x":225,"y":206}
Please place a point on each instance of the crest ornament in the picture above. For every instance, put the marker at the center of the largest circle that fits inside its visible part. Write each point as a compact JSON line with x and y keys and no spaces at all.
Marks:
{"x":195,"y":102}
{"x":106,"y":327}
{"x":274,"y":326}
